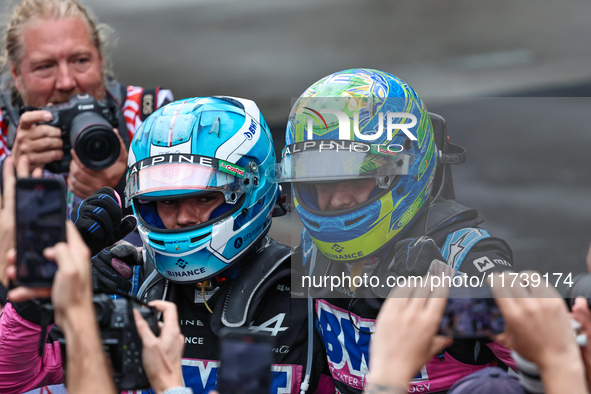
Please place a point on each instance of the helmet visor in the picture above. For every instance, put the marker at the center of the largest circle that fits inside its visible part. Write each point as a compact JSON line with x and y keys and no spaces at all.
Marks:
{"x":162,"y":175}
{"x":331,"y":160}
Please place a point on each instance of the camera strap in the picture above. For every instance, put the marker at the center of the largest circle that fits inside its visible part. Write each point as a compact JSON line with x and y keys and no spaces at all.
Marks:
{"x":46,"y":319}
{"x":10,"y":112}
{"x":3,"y":294}
{"x":149,"y":102}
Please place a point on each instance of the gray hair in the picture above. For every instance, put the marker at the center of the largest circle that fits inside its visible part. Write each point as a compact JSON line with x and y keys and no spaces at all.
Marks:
{"x":102,"y":35}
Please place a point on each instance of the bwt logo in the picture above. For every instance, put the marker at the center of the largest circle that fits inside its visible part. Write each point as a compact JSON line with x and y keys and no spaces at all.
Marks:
{"x":251,"y":130}
{"x":345,"y":124}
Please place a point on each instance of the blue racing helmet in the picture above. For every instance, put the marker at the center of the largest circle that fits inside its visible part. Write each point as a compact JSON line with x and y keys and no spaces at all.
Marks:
{"x":198,"y":146}
{"x":359,"y":124}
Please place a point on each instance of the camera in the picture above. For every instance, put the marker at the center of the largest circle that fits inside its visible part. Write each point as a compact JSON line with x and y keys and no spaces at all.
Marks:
{"x":87,"y":126}
{"x":121,"y":340}
{"x":245,"y":361}
{"x":471,"y":312}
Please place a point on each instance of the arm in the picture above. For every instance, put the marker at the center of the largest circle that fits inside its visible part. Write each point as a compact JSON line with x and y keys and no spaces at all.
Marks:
{"x":74,"y":312}
{"x":405,"y":337}
{"x":540,"y":310}
{"x":162,"y":355}
{"x":21,"y":367}
{"x":582,"y":314}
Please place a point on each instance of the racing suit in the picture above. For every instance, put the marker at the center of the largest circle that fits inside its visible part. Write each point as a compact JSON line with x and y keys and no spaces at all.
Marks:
{"x":345,"y":322}
{"x":256,"y":295}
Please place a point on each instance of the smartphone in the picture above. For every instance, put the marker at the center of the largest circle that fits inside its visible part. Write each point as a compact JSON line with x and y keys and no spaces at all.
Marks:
{"x":40,"y":212}
{"x":471,"y":312}
{"x":245,"y":362}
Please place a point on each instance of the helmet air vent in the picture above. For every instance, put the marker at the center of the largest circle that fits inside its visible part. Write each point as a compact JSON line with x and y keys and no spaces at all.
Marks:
{"x":353,"y":221}
{"x":313,"y":224}
{"x":199,"y":238}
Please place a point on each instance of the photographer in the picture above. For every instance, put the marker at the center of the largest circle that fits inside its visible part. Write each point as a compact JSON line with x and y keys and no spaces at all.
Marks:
{"x":7,"y":216}
{"x":53,"y":49}
{"x":71,"y":299}
{"x":72,"y":303}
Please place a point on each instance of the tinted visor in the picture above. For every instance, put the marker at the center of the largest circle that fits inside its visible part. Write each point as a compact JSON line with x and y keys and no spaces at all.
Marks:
{"x":332,"y":160}
{"x":164,"y":174}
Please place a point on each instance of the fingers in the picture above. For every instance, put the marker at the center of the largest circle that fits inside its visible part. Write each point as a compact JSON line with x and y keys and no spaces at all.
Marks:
{"x":11,"y":272}
{"x":127,"y":225}
{"x":439,"y":343}
{"x":169,"y":317}
{"x":31,"y":118}
{"x":581,"y":313}
{"x":504,"y":296}
{"x":11,"y":259}
{"x":143,"y":328}
{"x":71,"y":256}
{"x":41,"y":143}
{"x":437,"y":301}
{"x":22,"y":167}
{"x":20,"y":294}
{"x":75,"y":239}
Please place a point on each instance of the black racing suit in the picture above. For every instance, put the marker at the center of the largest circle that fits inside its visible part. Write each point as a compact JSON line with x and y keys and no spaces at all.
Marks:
{"x":242,"y":298}
{"x":345,"y":317}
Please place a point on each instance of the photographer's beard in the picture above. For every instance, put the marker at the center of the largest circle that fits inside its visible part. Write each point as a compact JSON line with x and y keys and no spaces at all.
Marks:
{"x":98,"y":91}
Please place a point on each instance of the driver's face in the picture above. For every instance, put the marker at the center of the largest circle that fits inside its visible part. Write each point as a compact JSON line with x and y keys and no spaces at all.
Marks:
{"x":188,"y":212}
{"x":59,"y":60}
{"x":341,"y":195}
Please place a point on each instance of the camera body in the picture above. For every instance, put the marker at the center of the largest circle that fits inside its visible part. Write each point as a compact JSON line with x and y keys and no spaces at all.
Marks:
{"x":87,"y":126}
{"x":471,"y":312}
{"x":246,"y":358}
{"x":121,"y":340}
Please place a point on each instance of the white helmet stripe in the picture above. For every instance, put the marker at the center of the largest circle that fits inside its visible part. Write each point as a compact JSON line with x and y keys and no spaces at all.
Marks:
{"x":246,"y":138}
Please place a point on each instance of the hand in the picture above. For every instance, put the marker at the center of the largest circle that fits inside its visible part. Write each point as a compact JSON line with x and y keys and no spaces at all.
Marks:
{"x":72,"y":279}
{"x":98,"y":218}
{"x":537,"y":326}
{"x":7,"y":220}
{"x":582,"y":314}
{"x":414,"y":256}
{"x":111,"y":268}
{"x":40,"y":143}
{"x":406,"y":334}
{"x":83,"y":181}
{"x":161,"y":355}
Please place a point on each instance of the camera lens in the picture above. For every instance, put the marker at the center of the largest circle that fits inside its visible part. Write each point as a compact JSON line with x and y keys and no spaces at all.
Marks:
{"x":103,"y":308}
{"x":94,"y":141}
